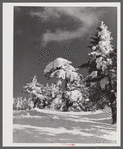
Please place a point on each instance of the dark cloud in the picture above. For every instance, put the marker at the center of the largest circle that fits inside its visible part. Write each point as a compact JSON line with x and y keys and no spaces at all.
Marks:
{"x":62,"y":23}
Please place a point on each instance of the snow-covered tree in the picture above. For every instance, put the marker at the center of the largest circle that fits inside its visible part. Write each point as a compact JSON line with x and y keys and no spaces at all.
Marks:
{"x":21,"y":103}
{"x":65,"y":72}
{"x":41,"y":95}
{"x":102,"y":68}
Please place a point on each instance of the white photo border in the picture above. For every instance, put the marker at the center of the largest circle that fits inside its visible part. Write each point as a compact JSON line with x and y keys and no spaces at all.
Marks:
{"x":8,"y":40}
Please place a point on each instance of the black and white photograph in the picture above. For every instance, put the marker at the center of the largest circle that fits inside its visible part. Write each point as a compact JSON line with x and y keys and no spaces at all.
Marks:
{"x":61,"y":62}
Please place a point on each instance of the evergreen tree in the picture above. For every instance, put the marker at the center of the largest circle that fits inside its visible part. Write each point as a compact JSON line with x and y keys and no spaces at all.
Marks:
{"x":74,"y":90}
{"x":102,"y":69}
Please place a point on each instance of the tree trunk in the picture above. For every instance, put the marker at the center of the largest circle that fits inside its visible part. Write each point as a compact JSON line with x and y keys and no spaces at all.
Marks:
{"x":113,"y":105}
{"x":114,"y":113}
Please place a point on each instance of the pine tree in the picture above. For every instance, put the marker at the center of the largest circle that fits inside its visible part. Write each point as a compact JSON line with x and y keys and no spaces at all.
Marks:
{"x":41,"y":95}
{"x":74,"y":90}
{"x":102,"y":68}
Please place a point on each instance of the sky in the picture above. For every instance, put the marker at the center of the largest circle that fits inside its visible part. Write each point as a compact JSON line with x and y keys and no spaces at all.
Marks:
{"x":42,"y":34}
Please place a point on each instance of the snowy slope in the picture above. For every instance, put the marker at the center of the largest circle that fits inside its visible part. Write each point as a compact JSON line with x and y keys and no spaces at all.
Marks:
{"x":46,"y":126}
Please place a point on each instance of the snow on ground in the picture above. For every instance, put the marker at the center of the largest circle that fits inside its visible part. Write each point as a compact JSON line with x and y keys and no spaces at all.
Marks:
{"x":46,"y":126}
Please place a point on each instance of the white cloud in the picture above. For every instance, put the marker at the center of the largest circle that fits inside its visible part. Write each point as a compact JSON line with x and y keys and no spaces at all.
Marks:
{"x":87,"y":16}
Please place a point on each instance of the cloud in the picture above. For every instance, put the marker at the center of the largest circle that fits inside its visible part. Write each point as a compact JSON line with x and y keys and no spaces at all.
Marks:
{"x":46,"y":14}
{"x":60,"y":35}
{"x":87,"y":16}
